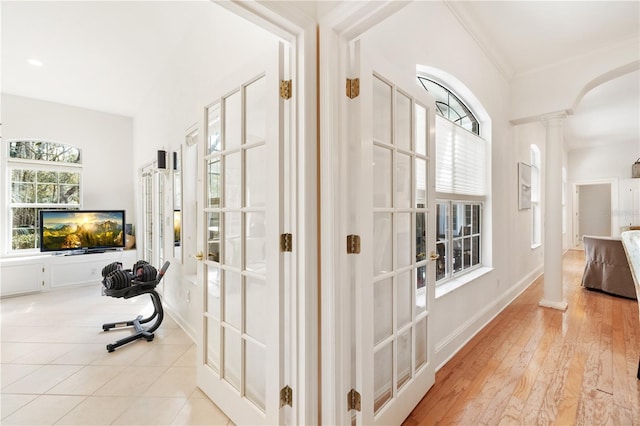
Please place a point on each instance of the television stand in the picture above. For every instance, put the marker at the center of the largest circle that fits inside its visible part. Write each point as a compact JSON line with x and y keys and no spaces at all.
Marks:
{"x":138,"y":288}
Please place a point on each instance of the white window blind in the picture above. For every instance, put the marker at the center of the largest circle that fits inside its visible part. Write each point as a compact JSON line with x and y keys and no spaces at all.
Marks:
{"x":460,"y":160}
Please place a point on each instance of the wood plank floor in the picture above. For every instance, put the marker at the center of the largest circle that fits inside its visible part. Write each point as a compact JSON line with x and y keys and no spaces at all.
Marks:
{"x":534,"y":365}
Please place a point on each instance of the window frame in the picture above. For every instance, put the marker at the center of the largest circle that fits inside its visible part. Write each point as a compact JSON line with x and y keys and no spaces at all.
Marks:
{"x":459,"y":107}
{"x":446,"y":257}
{"x":36,"y":165}
{"x":153,"y":186}
{"x":536,"y":193}
{"x":460,"y":193}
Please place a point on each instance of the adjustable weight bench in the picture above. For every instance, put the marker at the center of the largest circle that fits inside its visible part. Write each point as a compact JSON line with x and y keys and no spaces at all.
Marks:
{"x":132,"y":288}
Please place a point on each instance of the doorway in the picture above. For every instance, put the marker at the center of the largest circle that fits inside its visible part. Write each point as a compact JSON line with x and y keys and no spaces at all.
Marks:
{"x":592,"y":211}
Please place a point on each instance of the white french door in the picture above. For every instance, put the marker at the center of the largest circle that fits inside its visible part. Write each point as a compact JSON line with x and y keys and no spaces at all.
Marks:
{"x":241,"y":343}
{"x":395,"y":211}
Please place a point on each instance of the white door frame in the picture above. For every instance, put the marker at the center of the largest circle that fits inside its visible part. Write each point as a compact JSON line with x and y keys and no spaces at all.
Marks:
{"x":299,"y":31}
{"x":321,"y":222}
{"x":338,"y":30}
{"x":574,"y":225}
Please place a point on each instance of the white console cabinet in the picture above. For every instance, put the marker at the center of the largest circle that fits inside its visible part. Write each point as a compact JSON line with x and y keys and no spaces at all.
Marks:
{"x":21,"y":275}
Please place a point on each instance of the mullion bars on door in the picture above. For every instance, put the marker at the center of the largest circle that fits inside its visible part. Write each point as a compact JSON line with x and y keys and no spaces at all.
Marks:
{"x":399,"y":330}
{"x":242,"y":268}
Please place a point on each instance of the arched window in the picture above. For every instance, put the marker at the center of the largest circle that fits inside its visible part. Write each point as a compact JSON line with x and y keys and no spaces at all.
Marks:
{"x":536,"y":216}
{"x":42,"y":175}
{"x":449,"y":106}
{"x":461,"y":189}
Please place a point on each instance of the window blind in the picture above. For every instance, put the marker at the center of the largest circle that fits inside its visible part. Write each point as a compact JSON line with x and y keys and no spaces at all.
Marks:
{"x":460,"y":160}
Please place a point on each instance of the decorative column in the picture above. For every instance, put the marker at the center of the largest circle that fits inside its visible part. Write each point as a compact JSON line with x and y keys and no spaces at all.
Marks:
{"x":553,"y":212}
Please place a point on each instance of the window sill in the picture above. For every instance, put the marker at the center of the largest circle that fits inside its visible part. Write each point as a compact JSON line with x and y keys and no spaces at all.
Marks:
{"x":458,"y":282}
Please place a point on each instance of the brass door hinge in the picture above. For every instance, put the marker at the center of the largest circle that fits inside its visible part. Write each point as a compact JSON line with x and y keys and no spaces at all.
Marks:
{"x":353,"y":87}
{"x":285,"y":89}
{"x":286,"y":396}
{"x":286,"y":242}
{"x":353,"y":400}
{"x":353,"y":244}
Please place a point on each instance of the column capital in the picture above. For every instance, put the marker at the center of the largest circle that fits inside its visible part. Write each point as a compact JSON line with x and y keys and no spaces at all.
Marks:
{"x":554,"y":118}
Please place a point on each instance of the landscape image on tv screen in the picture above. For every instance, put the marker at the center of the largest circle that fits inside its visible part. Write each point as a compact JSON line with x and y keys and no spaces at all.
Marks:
{"x":76,"y":230}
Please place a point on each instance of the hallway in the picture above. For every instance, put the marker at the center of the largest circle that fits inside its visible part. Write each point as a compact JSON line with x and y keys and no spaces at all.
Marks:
{"x":534,"y":365}
{"x":529,"y":365}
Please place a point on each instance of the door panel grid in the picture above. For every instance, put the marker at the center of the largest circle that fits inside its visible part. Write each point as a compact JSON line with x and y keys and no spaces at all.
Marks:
{"x":244,"y":275}
{"x":398,"y":266}
{"x":236,"y":247}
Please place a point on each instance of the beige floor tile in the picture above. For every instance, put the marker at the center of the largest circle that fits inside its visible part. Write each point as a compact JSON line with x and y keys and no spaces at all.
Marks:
{"x":10,"y":373}
{"x":83,"y":354}
{"x":132,"y":381}
{"x":66,"y":334}
{"x":173,"y":336}
{"x":17,"y":332}
{"x":10,"y":403}
{"x":188,"y":359}
{"x":86,"y":381}
{"x":97,"y":411}
{"x":175,"y":382}
{"x":160,"y":355}
{"x":45,"y":353}
{"x":44,"y":410}
{"x":199,"y":411}
{"x":43,"y":318}
{"x":11,"y":351}
{"x":198,"y":394}
{"x":151,"y":411}
{"x":169,"y":323}
{"x":63,"y":373}
{"x":42,"y":379}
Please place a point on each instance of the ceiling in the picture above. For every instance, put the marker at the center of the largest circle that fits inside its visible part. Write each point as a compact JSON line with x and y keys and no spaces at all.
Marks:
{"x":524,"y":36}
{"x":101,"y":55}
{"x":104,"y":55}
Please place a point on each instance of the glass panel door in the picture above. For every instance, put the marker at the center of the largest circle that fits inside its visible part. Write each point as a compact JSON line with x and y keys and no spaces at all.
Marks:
{"x":396,"y":282}
{"x":242,"y":322}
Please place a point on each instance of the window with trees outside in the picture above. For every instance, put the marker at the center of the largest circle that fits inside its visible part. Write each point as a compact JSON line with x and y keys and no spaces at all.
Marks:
{"x":42,"y":175}
{"x":460,"y":183}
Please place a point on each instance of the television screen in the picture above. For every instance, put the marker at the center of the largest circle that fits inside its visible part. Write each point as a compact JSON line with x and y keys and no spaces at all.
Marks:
{"x":176,"y":227}
{"x":95,"y":230}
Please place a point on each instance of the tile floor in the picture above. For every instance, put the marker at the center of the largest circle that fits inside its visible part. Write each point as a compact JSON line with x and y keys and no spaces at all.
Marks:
{"x":55,"y":369}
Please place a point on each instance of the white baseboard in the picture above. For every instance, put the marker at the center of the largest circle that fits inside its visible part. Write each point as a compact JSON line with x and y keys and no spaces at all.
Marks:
{"x":182,"y":323}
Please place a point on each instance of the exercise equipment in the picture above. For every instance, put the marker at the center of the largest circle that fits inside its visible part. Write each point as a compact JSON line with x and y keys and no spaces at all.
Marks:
{"x":141,"y":279}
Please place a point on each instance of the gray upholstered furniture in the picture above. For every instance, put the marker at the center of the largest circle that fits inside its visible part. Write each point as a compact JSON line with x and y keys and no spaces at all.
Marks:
{"x":606,"y":267}
{"x":631,"y":244}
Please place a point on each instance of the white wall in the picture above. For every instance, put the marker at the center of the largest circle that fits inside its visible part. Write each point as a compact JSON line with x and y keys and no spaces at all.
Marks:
{"x":609,"y":164}
{"x":106,"y":141}
{"x":523,"y":137}
{"x":219,"y":44}
{"x":426,"y":33}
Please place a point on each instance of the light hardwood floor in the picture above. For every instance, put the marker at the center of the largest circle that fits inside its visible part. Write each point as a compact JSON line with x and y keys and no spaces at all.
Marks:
{"x":534,"y":365}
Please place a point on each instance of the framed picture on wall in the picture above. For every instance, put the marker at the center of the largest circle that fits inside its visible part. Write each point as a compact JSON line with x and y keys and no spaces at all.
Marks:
{"x":524,"y":186}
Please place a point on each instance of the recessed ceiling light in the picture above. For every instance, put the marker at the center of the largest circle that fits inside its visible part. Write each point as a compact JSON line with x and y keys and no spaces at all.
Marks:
{"x":35,"y":62}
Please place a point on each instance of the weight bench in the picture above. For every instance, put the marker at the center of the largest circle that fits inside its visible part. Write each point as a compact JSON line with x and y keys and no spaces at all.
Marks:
{"x":137,"y":288}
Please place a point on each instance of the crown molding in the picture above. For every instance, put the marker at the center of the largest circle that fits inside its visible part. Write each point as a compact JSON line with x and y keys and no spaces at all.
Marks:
{"x":487,"y":46}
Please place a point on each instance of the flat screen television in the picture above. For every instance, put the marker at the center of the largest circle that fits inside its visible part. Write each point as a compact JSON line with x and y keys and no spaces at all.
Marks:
{"x":82,"y":230}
